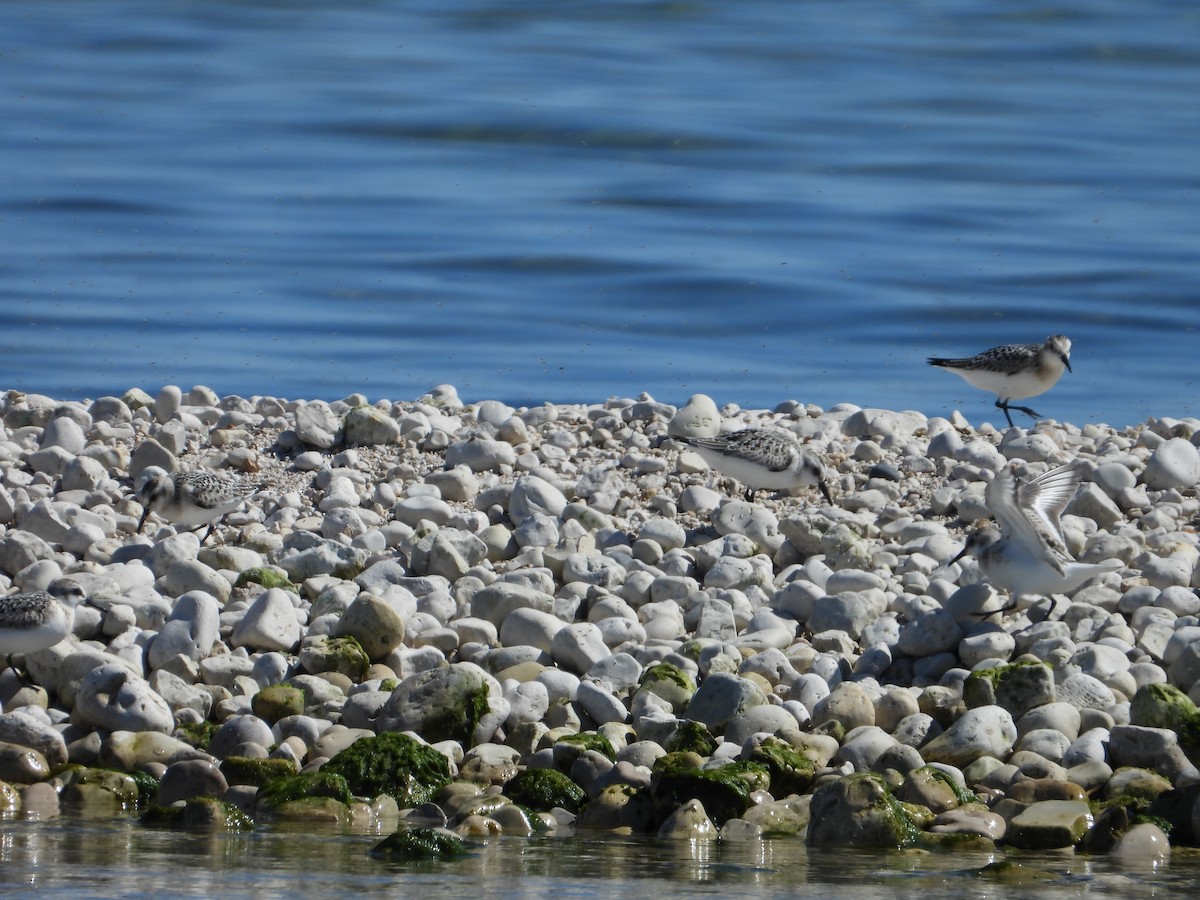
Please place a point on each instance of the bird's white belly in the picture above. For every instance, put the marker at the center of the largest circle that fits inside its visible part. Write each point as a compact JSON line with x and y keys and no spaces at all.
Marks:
{"x":193,"y":516}
{"x":1024,"y":574}
{"x":751,"y":474}
{"x":1010,"y":387}
{"x":38,"y":637}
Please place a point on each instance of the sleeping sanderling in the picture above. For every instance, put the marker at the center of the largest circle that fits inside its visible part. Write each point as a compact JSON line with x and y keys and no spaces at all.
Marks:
{"x":762,"y":459}
{"x":1028,"y":553}
{"x":192,"y":499}
{"x":1014,"y":371}
{"x":38,"y":619}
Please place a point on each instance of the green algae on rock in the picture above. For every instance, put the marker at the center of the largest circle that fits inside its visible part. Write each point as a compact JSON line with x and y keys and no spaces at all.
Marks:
{"x":99,"y":790}
{"x":1166,"y":706}
{"x":278,"y":791}
{"x":590,"y":740}
{"x":335,"y":654}
{"x":790,"y":770}
{"x":393,"y":764}
{"x":449,"y":703}
{"x":265,"y":576}
{"x":1017,"y":687}
{"x":859,"y":810}
{"x":198,"y":814}
{"x":724,"y":792}
{"x":693,"y":736}
{"x":419,"y":844}
{"x":255,"y":771}
{"x":543,"y":789}
{"x":198,"y":734}
{"x":277,"y":701}
{"x":670,"y":683}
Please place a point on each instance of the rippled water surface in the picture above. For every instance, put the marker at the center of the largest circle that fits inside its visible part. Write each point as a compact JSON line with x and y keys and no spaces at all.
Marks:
{"x":77,"y":859}
{"x":569,"y":201}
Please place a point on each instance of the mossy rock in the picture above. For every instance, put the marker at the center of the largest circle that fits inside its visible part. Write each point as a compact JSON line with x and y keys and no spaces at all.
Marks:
{"x":157,"y":816}
{"x":97,"y":789}
{"x":678,"y":759}
{"x":446,"y":703}
{"x":198,"y":814}
{"x":961,"y":794}
{"x":956,"y":843}
{"x":724,"y":792}
{"x":392,"y":764}
{"x":693,"y":736}
{"x":279,"y":791}
{"x":197,"y":735}
{"x":1017,"y":687}
{"x":830,"y":728}
{"x":211,"y":814}
{"x":277,"y":701}
{"x":669,"y":682}
{"x":419,"y":845}
{"x":544,"y":789}
{"x":1165,"y":706}
{"x":859,"y":811}
{"x":254,"y":771}
{"x":1014,"y":874}
{"x":267,"y":577}
{"x":147,"y":786}
{"x":590,"y":740}
{"x":791,"y":772}
{"x":344,"y":655}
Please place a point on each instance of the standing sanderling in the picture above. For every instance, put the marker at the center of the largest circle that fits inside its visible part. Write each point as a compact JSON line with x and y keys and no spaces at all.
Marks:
{"x":762,"y":459}
{"x":192,"y":499}
{"x":1028,"y":554}
{"x":38,"y":619}
{"x":1014,"y":371}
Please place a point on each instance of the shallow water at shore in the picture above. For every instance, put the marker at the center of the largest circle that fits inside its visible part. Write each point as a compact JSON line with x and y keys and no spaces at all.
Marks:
{"x":76,"y":858}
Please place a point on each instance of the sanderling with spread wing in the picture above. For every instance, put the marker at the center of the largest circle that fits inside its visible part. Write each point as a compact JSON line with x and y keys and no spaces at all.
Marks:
{"x":762,"y":459}
{"x":1028,"y":553}
{"x":192,"y":499}
{"x":1014,"y":371}
{"x":39,"y":619}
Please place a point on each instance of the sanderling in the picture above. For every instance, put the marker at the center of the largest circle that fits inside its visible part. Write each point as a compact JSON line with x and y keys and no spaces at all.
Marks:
{"x":192,"y":499}
{"x":1014,"y":371}
{"x":1028,"y":554}
{"x":38,"y":619}
{"x":762,"y":459}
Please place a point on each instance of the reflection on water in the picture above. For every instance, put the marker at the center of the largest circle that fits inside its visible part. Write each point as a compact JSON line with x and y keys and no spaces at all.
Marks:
{"x":74,"y":858}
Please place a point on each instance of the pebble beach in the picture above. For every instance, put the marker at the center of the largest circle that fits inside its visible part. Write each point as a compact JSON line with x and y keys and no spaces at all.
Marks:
{"x":461,"y":619}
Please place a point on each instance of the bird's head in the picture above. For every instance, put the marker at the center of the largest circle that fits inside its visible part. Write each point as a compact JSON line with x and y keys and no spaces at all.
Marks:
{"x":154,"y":488}
{"x":977,"y":542}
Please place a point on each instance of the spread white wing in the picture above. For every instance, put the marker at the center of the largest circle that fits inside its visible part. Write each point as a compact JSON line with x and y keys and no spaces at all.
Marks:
{"x":1030,"y":513}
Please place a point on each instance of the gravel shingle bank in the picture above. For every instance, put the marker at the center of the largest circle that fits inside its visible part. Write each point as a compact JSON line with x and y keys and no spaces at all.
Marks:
{"x":591,"y":630}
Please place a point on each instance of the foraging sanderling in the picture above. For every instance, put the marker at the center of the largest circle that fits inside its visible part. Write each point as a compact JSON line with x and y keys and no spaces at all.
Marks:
{"x":1014,"y":371}
{"x":39,"y":619}
{"x":762,"y":459}
{"x":1028,"y":554}
{"x":192,"y":499}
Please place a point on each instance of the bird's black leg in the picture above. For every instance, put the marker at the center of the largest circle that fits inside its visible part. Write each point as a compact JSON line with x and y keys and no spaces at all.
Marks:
{"x":1029,"y":412}
{"x":1000,"y":404}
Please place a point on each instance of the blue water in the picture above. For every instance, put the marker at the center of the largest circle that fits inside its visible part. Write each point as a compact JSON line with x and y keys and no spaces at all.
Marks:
{"x":569,"y":201}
